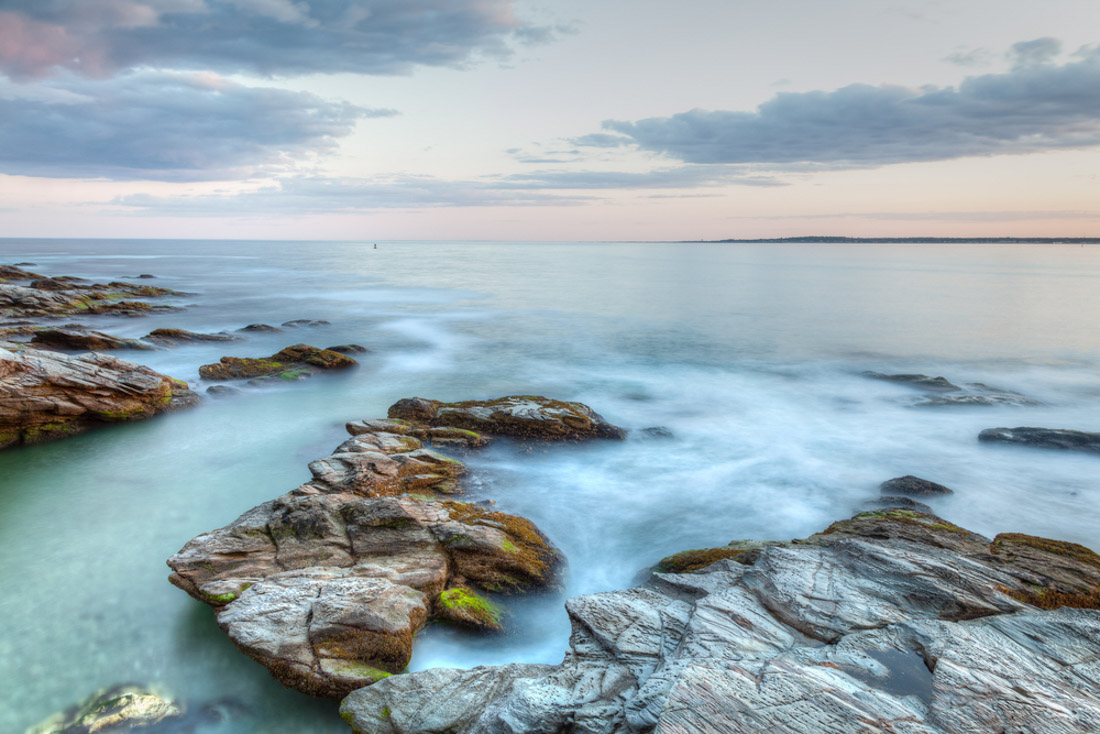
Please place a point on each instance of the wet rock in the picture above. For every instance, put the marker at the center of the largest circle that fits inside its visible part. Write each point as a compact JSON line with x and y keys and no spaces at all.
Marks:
{"x":1049,"y":438}
{"x":46,"y":395}
{"x":524,"y":416}
{"x":290,"y":364}
{"x":659,"y":432}
{"x":146,"y":276}
{"x":891,"y":502}
{"x":922,"y":636}
{"x":306,"y":323}
{"x":921,"y":382}
{"x":222,"y":391}
{"x":173,"y":337}
{"x":348,"y":349}
{"x":16,"y":272}
{"x":328,"y":585}
{"x":260,"y":328}
{"x":115,"y":710}
{"x":84,"y":339}
{"x":911,"y":486}
{"x":978,"y":399}
{"x":57,"y":297}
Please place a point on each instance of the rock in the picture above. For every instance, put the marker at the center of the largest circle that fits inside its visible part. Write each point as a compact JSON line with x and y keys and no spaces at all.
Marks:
{"x":84,"y":339}
{"x":348,"y":349}
{"x":46,"y":395}
{"x":911,"y":486}
{"x":260,"y":328}
{"x":118,"y":709}
{"x":172,"y":337}
{"x":65,"y":298}
{"x":1050,"y":438}
{"x":146,"y":276}
{"x":300,"y":323}
{"x":659,"y":432}
{"x":977,"y":399}
{"x":921,"y":382}
{"x":222,"y":391}
{"x":291,"y":363}
{"x":921,"y":631}
{"x":891,"y":502}
{"x":16,"y":272}
{"x":524,"y":416}
{"x":328,"y":585}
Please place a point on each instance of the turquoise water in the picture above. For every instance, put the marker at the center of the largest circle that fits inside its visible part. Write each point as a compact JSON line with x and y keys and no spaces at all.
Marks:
{"x":749,"y":354}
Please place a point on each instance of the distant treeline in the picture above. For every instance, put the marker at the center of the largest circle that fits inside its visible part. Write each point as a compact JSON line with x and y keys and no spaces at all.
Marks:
{"x":924,"y":240}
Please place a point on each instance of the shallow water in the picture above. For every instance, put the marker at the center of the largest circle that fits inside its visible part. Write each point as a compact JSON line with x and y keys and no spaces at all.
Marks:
{"x":749,"y":354}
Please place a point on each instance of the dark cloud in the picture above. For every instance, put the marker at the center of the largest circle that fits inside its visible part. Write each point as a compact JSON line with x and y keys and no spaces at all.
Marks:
{"x":1037,"y":106}
{"x":167,"y":126}
{"x":98,"y":38}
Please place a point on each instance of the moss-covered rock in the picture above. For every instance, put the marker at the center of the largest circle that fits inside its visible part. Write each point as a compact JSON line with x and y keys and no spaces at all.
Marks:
{"x":465,"y":606}
{"x":291,"y":363}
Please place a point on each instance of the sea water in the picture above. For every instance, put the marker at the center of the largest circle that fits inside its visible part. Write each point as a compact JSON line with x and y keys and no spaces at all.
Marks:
{"x":750,"y":356}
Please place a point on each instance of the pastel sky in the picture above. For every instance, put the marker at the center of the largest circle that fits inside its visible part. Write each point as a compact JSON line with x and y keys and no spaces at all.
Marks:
{"x":570,"y":120}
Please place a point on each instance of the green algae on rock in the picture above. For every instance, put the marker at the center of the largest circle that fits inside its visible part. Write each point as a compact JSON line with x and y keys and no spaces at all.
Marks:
{"x":292,"y":362}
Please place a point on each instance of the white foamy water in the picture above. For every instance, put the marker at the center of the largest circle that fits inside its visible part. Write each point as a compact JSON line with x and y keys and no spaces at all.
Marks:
{"x":750,"y":355}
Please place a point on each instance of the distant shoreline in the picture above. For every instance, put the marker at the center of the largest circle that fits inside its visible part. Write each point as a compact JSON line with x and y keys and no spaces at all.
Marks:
{"x":917,"y":240}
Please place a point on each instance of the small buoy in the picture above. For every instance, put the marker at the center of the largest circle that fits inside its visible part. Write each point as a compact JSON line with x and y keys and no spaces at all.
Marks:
{"x":376,"y":245}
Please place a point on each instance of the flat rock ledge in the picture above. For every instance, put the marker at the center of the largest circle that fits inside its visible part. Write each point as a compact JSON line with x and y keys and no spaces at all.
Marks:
{"x":25,"y":294}
{"x":891,"y":621}
{"x":328,"y":584}
{"x":46,"y":395}
{"x":522,"y":416}
{"x":291,"y":363}
{"x":1047,"y":438}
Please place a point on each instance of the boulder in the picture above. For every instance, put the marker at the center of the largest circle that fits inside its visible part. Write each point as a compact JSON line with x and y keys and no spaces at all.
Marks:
{"x":921,"y":627}
{"x":947,"y":393}
{"x":921,"y":382}
{"x":262,"y":328}
{"x":291,"y":363}
{"x":523,"y":416}
{"x":84,"y":339}
{"x":1049,"y":438}
{"x":348,"y":349}
{"x":328,"y":584}
{"x":46,"y":395}
{"x":911,"y":486}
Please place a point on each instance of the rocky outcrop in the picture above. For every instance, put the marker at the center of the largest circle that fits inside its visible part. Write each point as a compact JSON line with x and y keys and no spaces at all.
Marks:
{"x":292,"y":363}
{"x":46,"y":395}
{"x":912,"y":486}
{"x":24,"y":294}
{"x":947,"y":393}
{"x":174,"y":337}
{"x":1048,"y":438}
{"x":112,"y":711}
{"x":328,"y":585}
{"x":84,"y":339}
{"x":524,"y":416}
{"x":889,"y":621}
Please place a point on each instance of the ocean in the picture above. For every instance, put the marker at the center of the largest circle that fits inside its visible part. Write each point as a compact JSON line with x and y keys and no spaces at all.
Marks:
{"x":750,"y":356}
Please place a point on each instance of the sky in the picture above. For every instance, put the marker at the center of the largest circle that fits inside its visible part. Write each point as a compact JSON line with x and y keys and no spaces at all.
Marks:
{"x":571,"y":120}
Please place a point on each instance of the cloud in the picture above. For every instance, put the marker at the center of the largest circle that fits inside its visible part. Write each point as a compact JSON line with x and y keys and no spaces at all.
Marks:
{"x":305,"y":195}
{"x":98,"y":38}
{"x":1036,"y":106}
{"x":970,"y":57}
{"x":1033,"y":53}
{"x":166,"y":126}
{"x":682,"y":177}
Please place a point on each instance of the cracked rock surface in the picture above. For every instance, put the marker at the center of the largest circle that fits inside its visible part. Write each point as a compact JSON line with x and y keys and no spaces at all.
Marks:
{"x":889,"y":621}
{"x":46,"y":395}
{"x":328,"y":584}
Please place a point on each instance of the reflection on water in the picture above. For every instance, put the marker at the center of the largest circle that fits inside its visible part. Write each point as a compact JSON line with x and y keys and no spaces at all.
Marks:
{"x":749,"y":356}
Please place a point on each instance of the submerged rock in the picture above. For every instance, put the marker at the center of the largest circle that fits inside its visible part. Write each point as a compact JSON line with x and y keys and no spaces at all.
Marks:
{"x":222,"y":391}
{"x":524,"y":416}
{"x":115,"y":710}
{"x":328,"y":585}
{"x":46,"y":395}
{"x":1049,"y":438}
{"x":172,"y":337}
{"x":888,"y":621}
{"x":291,"y":363}
{"x":912,"y":486}
{"x":921,"y":382}
{"x":978,"y":399}
{"x":300,"y":323}
{"x":260,"y":328}
{"x":84,"y":339}
{"x":348,"y":349}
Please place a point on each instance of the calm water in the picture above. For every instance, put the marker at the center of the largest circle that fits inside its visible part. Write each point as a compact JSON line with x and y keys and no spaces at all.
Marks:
{"x":749,"y":354}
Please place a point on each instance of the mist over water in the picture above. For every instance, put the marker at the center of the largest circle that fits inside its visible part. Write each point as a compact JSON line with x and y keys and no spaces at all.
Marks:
{"x":750,"y":356}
